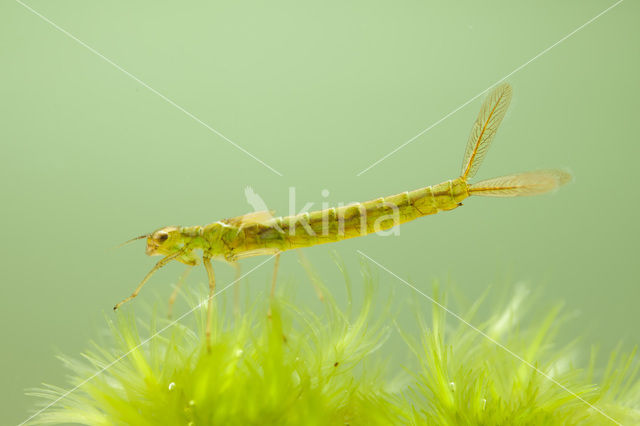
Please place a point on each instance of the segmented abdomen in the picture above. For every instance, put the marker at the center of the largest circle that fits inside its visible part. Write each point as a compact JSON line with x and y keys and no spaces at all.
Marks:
{"x":335,"y":224}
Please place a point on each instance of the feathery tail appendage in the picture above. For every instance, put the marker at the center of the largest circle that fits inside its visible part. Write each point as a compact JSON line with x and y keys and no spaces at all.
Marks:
{"x":521,"y":184}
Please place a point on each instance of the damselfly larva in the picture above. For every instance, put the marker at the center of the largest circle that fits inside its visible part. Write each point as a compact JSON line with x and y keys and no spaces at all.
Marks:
{"x":260,"y":233}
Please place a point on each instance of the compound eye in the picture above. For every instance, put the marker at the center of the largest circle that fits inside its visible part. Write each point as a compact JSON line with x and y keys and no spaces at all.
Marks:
{"x":161,"y":237}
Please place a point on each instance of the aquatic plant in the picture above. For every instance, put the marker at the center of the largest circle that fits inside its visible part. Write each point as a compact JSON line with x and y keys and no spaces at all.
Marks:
{"x":505,"y":371}
{"x":295,"y":366}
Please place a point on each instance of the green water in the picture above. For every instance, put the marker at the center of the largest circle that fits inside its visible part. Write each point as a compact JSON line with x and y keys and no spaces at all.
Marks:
{"x":92,"y":157}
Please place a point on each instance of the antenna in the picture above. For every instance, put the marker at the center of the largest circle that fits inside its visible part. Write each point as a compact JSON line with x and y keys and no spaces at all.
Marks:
{"x":131,"y":240}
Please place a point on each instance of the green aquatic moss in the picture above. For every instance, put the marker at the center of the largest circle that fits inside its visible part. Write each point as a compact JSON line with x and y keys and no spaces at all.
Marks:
{"x":508,"y":372}
{"x":297,"y":366}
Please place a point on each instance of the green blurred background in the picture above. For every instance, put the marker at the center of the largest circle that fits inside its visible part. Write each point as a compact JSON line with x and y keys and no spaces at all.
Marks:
{"x":318,"y":91}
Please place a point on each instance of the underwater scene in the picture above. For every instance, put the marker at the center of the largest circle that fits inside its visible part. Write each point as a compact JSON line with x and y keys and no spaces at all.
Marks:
{"x":214,"y":213}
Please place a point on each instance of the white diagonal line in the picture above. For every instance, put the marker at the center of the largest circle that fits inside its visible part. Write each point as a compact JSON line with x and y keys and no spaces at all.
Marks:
{"x":114,"y":362}
{"x":165,"y":98}
{"x":492,"y":340}
{"x":485,"y":90}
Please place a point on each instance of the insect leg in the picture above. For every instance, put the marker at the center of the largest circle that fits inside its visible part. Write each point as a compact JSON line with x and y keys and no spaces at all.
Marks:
{"x":236,"y":290}
{"x":275,"y":275}
{"x":181,"y":280}
{"x":212,"y":288}
{"x":273,"y":282}
{"x":159,"y":265}
{"x":313,"y":277}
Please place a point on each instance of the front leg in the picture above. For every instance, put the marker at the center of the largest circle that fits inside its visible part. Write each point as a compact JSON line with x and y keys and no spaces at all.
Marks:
{"x":206,"y":260}
{"x":181,"y":280}
{"x":158,"y":265}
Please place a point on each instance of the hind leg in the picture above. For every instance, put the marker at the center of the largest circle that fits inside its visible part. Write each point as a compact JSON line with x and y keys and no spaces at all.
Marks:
{"x":236,"y":289}
{"x":315,"y":281}
{"x":275,"y":275}
{"x":212,"y":289}
{"x":273,"y":282}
